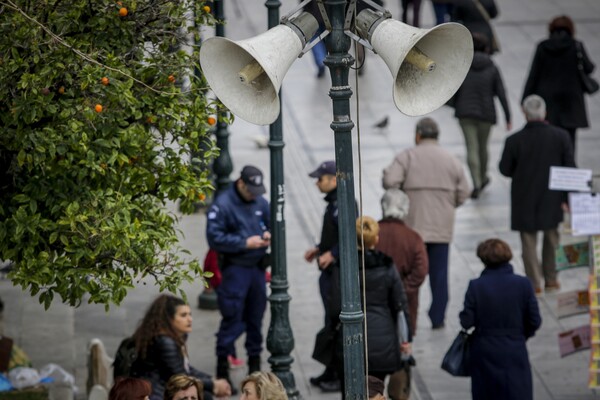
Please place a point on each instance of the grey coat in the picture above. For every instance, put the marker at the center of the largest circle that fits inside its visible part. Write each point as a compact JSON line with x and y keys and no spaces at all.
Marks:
{"x":435,"y":183}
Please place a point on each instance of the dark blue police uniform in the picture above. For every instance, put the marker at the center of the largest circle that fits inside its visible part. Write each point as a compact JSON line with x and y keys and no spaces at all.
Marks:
{"x":242,"y":296}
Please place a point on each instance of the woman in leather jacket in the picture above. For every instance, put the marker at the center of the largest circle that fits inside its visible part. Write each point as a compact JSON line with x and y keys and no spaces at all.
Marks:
{"x":161,"y":350}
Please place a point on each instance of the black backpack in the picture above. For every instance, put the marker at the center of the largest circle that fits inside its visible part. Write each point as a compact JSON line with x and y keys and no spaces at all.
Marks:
{"x":124,"y":358}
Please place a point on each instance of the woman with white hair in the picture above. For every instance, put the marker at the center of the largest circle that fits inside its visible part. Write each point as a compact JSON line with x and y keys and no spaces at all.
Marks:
{"x":404,"y":246}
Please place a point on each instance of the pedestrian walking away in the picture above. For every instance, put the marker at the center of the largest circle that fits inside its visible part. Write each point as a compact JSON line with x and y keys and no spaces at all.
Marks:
{"x":436,"y":185}
{"x":554,"y":76}
{"x":388,"y":336}
{"x":503,"y":309}
{"x":405,"y":246}
{"x":477,"y":16}
{"x":237,"y":228}
{"x":527,"y":158}
{"x":476,"y":111}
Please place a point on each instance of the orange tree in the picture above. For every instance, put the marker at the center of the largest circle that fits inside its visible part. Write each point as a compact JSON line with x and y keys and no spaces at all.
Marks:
{"x":100,"y":111}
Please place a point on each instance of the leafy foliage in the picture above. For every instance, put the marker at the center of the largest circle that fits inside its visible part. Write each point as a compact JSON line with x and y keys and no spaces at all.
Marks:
{"x":100,"y":112}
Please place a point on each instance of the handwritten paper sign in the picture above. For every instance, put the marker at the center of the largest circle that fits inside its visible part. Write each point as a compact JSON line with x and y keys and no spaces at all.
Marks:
{"x":585,"y":213}
{"x":570,"y":179}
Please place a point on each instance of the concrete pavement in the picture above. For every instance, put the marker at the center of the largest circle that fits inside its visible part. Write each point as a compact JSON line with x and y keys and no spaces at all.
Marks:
{"x":61,"y":334}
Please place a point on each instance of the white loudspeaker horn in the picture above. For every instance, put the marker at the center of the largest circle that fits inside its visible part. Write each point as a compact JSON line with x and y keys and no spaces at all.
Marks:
{"x":246,"y":75}
{"x":427,"y":65}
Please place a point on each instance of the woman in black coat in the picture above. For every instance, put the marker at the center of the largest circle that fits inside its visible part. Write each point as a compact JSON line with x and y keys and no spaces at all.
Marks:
{"x":554,"y":76}
{"x":386,"y":309}
{"x":503,"y":309}
{"x":161,"y":351}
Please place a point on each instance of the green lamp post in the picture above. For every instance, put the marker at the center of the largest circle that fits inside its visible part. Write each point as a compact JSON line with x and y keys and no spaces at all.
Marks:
{"x":280,"y":338}
{"x":339,"y":61}
{"x":222,"y":165}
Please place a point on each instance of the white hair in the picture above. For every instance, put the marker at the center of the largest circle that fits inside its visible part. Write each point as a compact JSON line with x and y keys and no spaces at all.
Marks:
{"x":394,"y":204}
{"x":534,"y":108}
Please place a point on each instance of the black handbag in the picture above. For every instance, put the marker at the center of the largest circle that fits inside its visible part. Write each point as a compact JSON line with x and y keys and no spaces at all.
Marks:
{"x":589,"y":84}
{"x":325,"y":344}
{"x":456,"y":360}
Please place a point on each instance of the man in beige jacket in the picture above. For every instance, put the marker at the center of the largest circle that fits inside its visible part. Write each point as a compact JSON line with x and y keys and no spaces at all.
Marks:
{"x":436,"y":184}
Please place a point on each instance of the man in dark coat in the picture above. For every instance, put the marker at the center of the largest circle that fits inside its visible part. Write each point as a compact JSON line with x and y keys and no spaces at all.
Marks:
{"x":527,"y":158}
{"x":554,"y":76}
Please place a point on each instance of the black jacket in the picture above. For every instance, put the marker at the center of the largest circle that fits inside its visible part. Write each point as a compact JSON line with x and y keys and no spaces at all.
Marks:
{"x":467,"y":13}
{"x":329,"y":231}
{"x":527,"y":158}
{"x":475,"y":98}
{"x":163,"y":360}
{"x":385,"y":297}
{"x":554,"y":76}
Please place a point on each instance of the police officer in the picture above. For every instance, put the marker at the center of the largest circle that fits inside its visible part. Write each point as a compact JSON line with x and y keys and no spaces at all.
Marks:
{"x":326,"y":253}
{"x":238,"y":229}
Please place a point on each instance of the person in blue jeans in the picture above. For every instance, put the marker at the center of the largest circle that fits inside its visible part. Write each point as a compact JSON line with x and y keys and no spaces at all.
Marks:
{"x":237,"y":228}
{"x":319,"y":51}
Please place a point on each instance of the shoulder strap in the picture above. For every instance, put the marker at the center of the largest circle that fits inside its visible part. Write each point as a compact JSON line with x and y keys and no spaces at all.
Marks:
{"x":482,"y":10}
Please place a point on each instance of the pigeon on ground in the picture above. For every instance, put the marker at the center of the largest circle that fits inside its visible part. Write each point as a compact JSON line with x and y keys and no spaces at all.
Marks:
{"x":383,"y":123}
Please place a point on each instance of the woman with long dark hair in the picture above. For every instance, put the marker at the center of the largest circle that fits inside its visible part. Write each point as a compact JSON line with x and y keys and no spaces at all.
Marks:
{"x":161,"y":350}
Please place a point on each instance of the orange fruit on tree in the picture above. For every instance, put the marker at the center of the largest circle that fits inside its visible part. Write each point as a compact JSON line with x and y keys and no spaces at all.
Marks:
{"x":123,"y":11}
{"x":171,"y":78}
{"x":206,"y":9}
{"x":201,"y":196}
{"x":98,"y":108}
{"x":105,"y":81}
{"x":211,"y":120}
{"x":61,"y":90}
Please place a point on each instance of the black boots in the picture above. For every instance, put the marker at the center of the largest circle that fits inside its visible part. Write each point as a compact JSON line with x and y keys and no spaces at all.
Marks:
{"x":223,"y":372}
{"x":253,"y":364}
{"x":222,"y":368}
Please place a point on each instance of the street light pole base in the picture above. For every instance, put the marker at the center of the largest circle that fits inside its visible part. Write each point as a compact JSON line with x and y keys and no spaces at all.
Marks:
{"x":208,"y":300}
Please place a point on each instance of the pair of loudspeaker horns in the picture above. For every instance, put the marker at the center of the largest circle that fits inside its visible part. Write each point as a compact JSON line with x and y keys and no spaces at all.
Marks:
{"x":427,"y":65}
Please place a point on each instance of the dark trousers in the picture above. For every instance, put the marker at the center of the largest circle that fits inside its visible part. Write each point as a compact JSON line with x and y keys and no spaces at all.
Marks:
{"x":242,"y":298}
{"x":443,"y":12}
{"x":416,"y":4}
{"x":438,"y":281}
{"x":325,"y":290}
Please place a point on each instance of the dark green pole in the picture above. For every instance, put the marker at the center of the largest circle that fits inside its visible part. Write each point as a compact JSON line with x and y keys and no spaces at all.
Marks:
{"x":280,"y":339}
{"x":222,"y":165}
{"x":339,"y":61}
